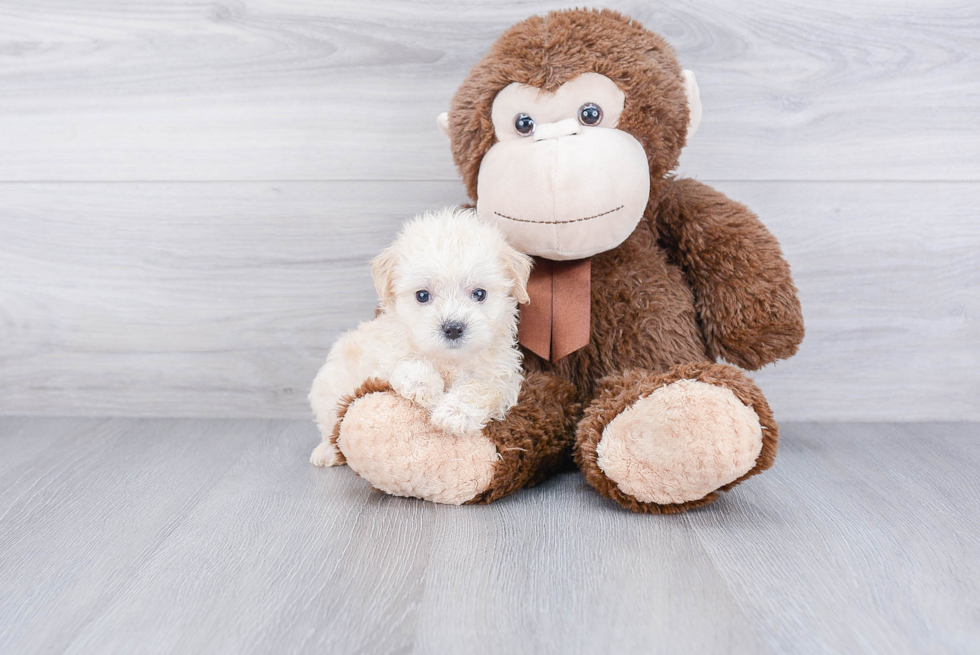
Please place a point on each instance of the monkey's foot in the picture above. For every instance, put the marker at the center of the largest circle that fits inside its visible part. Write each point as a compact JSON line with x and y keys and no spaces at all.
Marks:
{"x":390,"y":442}
{"x":666,"y":443}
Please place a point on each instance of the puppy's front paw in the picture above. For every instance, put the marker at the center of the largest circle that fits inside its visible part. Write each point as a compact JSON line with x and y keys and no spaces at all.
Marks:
{"x":418,"y":382}
{"x":454,"y":415}
{"x":325,"y":455}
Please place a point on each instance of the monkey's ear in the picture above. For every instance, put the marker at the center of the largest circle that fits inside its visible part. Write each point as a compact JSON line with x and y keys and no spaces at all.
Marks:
{"x":443,"y":121}
{"x":518,"y":267}
{"x":383,"y":272}
{"x":693,"y":103}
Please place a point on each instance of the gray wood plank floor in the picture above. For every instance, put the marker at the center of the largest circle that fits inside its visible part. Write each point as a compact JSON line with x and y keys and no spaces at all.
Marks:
{"x":184,"y":536}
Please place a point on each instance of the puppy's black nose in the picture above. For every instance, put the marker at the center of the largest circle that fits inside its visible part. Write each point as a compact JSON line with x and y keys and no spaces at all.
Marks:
{"x":453,"y":330}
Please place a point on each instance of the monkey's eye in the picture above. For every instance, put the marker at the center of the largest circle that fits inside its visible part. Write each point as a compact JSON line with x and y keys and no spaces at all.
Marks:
{"x":422,"y":296}
{"x":524,"y":125}
{"x":590,"y":114}
{"x":479,"y":295}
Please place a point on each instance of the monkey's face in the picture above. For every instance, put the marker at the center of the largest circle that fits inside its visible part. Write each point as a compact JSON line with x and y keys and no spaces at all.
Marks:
{"x":562,"y":181}
{"x":565,"y":131}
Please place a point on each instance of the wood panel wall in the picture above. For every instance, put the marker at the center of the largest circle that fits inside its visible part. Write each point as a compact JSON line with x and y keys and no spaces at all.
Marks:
{"x":189,"y":193}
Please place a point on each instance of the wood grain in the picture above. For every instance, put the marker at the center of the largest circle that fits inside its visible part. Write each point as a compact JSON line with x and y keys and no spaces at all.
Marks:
{"x":132,"y":295}
{"x":223,"y":299}
{"x":311,"y":90}
{"x":135,"y":536}
{"x":867,"y":518}
{"x":889,"y":280}
{"x":79,"y":521}
{"x":212,"y":299}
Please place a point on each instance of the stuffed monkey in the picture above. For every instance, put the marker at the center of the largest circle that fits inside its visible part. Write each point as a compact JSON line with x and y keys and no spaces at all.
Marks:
{"x":565,"y":135}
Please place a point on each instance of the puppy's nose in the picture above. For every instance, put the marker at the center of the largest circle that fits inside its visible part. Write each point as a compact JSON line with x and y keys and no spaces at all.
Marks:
{"x":453,"y":330}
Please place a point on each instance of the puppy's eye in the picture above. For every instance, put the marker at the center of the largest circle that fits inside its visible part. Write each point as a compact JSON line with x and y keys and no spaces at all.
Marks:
{"x":590,"y":114}
{"x":422,"y":296}
{"x":524,"y":125}
{"x":479,"y":295}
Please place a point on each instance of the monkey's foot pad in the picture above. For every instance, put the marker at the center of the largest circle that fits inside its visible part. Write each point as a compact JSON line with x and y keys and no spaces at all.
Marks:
{"x":389,"y":442}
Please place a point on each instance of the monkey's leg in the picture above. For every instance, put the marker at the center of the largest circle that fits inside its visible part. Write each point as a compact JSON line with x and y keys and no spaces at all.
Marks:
{"x":389,"y":441}
{"x":664,"y":443}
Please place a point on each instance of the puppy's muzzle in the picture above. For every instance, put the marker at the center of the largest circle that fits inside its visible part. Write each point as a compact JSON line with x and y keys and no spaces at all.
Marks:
{"x":453,"y":330}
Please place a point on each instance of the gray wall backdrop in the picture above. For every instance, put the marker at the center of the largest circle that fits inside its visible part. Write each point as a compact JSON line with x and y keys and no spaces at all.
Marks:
{"x":190,"y":191}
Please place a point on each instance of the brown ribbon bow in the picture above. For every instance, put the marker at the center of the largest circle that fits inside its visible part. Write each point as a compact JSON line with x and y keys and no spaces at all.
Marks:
{"x":557,"y":321}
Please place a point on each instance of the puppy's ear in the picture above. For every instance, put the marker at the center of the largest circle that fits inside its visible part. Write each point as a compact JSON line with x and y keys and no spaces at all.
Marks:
{"x":383,"y":272}
{"x":518,"y":267}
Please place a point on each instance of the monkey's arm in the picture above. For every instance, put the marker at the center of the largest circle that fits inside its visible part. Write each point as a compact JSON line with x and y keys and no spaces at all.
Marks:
{"x":743,"y":291}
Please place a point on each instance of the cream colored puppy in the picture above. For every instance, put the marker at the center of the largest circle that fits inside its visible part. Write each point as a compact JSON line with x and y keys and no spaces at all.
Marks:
{"x":445,"y":337}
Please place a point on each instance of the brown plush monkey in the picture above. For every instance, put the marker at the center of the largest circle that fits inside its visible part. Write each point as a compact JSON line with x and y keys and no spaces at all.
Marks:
{"x":565,"y":134}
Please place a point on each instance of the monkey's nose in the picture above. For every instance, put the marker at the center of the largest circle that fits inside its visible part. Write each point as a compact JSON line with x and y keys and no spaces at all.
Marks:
{"x":566,"y":127}
{"x":453,"y":330}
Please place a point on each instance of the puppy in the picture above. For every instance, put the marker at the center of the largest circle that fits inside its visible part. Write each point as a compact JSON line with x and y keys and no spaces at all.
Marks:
{"x":445,"y":334}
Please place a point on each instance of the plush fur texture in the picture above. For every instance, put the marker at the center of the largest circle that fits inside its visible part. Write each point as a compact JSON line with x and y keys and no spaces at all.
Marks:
{"x":646,"y":449}
{"x":744,"y":294}
{"x":618,"y":393}
{"x":559,"y":197}
{"x":431,"y":464}
{"x":699,"y":278}
{"x":464,"y":380}
{"x":546,"y":52}
{"x":535,"y":438}
{"x":389,"y":445}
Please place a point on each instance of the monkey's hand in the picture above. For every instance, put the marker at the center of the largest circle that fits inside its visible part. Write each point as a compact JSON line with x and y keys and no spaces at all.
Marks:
{"x":417,"y":381}
{"x":743,"y":291}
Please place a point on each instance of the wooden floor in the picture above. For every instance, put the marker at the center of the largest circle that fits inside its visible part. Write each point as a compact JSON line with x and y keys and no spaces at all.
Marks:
{"x":217,"y":536}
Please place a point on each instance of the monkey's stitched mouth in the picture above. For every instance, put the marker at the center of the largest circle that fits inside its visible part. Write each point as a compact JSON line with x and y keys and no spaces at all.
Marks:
{"x":574,"y":220}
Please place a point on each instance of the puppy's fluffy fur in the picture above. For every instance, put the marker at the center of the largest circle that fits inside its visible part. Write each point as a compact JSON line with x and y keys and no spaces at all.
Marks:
{"x":464,"y":382}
